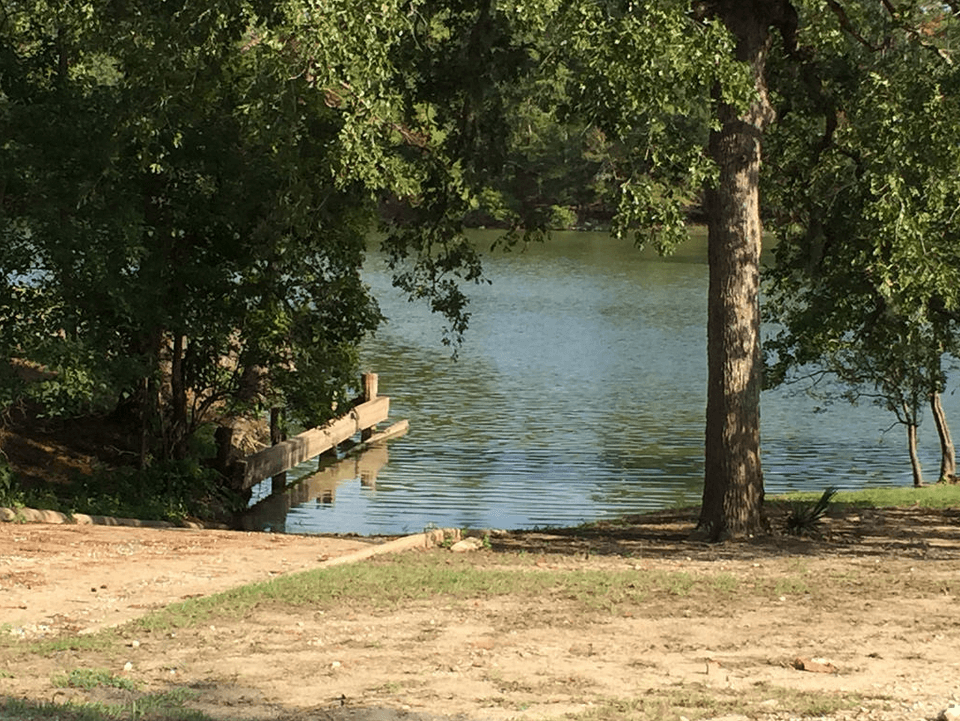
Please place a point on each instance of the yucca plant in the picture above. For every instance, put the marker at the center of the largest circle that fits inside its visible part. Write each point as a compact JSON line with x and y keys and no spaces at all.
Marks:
{"x":805,"y":516}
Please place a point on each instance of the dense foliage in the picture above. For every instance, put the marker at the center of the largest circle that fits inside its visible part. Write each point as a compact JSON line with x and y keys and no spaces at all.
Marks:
{"x":863,"y":198}
{"x":186,"y":189}
{"x":178,"y":214}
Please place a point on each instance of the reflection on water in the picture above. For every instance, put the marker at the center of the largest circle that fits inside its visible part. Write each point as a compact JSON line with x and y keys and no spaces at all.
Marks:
{"x":319,"y":489}
{"x":579,"y":395}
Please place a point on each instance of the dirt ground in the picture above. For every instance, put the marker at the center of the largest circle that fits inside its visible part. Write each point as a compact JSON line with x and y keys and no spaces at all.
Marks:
{"x":874,"y":602}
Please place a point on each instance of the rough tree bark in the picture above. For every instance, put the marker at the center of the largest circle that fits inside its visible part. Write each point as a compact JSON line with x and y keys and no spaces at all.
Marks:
{"x":948,"y":454}
{"x":733,"y":482}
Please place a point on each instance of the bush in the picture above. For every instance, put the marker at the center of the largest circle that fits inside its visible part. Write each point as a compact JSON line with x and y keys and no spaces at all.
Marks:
{"x":805,"y":517}
{"x":165,"y":491}
{"x":562,"y":218}
{"x":10,"y":493}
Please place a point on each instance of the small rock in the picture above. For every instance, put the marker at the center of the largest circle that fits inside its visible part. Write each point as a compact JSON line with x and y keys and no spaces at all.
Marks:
{"x":814,"y":665}
{"x":128,"y":666}
{"x":467,"y":544}
{"x":950,"y":714}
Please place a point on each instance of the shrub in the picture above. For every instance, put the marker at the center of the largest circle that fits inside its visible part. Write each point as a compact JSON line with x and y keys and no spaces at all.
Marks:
{"x":805,"y":516}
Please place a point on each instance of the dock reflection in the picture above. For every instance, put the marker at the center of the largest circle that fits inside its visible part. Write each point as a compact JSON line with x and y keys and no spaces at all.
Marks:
{"x":321,"y":487}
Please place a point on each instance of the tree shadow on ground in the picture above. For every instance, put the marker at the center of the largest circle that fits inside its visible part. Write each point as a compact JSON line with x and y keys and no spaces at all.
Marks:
{"x":923,"y":533}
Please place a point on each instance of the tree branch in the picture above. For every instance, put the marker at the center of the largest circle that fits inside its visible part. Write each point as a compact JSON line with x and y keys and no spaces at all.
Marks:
{"x":848,"y":26}
{"x":916,"y":33}
{"x":416,"y":138}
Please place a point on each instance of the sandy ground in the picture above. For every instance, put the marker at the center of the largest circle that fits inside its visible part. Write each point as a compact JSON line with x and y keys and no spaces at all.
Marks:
{"x":875,"y":601}
{"x":71,"y":578}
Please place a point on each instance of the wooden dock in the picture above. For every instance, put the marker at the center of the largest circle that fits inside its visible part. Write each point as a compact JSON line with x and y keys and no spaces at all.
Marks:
{"x":362,"y":418}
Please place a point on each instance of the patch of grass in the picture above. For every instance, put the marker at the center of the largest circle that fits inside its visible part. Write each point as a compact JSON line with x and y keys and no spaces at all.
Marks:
{"x":695,"y":701}
{"x":806,"y":703}
{"x":724,"y":584}
{"x":665,"y":703}
{"x":167,"y":706}
{"x":385,"y":584}
{"x":791,"y":586}
{"x":102,"y":641}
{"x":170,"y":704}
{"x":678,"y":583}
{"x":90,"y":678}
{"x":934,"y":496}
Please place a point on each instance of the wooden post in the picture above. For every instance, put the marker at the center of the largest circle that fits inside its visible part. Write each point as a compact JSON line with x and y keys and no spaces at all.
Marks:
{"x":287,"y":454}
{"x":224,"y":438}
{"x":279,"y":481}
{"x":369,"y":394}
{"x":369,"y":386}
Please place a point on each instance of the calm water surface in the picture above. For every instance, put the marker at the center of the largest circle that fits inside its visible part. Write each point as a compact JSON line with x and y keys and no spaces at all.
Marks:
{"x":579,"y":395}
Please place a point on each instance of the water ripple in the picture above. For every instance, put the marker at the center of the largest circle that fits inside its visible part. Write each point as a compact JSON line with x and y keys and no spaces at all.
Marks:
{"x":580,"y":395}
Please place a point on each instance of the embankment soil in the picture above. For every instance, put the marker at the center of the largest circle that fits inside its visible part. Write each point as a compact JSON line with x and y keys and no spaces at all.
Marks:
{"x":706,"y":631}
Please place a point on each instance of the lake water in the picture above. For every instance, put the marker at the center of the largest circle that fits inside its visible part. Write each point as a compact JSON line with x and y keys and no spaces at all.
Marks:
{"x":579,"y":395}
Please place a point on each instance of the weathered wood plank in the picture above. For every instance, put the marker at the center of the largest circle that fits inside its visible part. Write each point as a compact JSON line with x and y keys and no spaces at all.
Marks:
{"x":397,"y":429}
{"x":369,"y":393}
{"x":375,"y":437}
{"x":427,"y":539}
{"x":271,"y":461}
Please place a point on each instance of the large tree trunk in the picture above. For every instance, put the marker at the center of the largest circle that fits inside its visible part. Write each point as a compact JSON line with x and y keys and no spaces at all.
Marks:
{"x":733,"y":482}
{"x":948,"y":454}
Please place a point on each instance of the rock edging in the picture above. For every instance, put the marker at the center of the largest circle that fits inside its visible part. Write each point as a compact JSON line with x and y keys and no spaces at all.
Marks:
{"x":34,"y":515}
